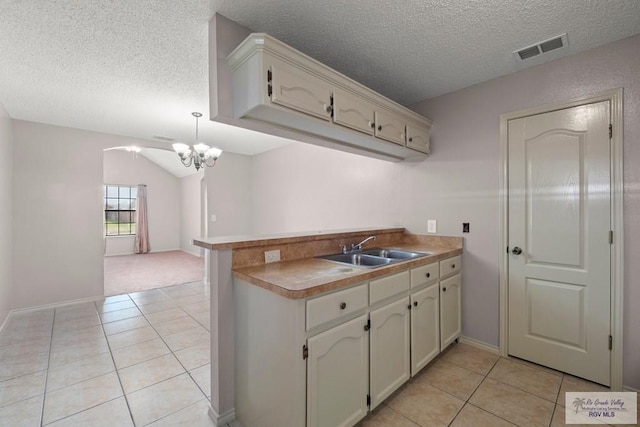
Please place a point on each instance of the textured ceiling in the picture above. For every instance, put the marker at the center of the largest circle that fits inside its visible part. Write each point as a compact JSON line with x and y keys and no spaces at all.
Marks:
{"x":139,"y":67}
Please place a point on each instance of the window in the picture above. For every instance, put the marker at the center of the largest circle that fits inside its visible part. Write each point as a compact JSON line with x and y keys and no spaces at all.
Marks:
{"x":120,"y":209}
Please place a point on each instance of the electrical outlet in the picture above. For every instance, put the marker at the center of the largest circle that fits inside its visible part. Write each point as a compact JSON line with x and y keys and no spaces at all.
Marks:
{"x":431,"y":226}
{"x":272,"y":256}
{"x":465,"y":227}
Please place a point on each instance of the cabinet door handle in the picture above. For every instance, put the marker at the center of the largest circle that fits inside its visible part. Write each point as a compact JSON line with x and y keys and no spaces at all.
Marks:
{"x":428,"y":275}
{"x":379,"y":127}
{"x":343,"y":305}
{"x":409,"y":307}
{"x":415,"y":303}
{"x":328,"y":108}
{"x":410,"y":139}
{"x":372,"y":125}
{"x":444,"y":289}
{"x":453,"y":266}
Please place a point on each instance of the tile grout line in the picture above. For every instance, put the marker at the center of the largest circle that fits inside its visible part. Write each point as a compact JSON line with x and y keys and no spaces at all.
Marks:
{"x":126,"y":401}
{"x":46,"y":377}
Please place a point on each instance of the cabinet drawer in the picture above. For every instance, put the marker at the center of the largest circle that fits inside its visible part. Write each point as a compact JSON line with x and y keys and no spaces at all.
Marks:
{"x":333,"y":306}
{"x":450,"y":266}
{"x":389,"y":286}
{"x":425,"y":274}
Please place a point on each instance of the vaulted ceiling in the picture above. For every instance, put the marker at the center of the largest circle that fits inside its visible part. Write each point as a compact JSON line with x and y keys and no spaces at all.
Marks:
{"x":139,"y":67}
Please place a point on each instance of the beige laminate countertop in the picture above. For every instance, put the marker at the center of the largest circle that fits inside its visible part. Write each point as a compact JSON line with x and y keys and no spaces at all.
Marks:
{"x":312,"y":276}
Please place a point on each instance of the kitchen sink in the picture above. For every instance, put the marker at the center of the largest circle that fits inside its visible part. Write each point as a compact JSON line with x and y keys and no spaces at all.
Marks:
{"x":395,"y":253}
{"x":373,"y":258}
{"x":362,"y":260}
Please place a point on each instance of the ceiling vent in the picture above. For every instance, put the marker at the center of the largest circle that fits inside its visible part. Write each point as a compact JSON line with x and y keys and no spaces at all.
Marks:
{"x":163,"y":138}
{"x":542,"y":47}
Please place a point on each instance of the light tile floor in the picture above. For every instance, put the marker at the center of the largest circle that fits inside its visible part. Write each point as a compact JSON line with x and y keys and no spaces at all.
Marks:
{"x":137,"y":359}
{"x":469,"y":387}
{"x":143,"y":359}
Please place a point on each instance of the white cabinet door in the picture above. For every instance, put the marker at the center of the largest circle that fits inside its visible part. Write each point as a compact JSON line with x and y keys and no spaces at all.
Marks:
{"x":353,"y":112}
{"x":338,"y":375}
{"x":425,"y":327}
{"x":450,"y":310}
{"x":390,"y":127}
{"x":390,"y":334}
{"x":293,"y":88}
{"x":418,"y":138}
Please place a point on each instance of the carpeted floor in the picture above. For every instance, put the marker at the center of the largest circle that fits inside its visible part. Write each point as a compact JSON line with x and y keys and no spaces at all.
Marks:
{"x":130,"y":273}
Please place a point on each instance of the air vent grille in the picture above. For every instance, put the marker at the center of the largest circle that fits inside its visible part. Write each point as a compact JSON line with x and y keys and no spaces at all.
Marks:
{"x":542,"y":47}
{"x":163,"y":138}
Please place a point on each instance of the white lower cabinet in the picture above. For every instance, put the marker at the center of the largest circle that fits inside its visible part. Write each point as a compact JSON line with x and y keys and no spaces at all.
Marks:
{"x":425,"y":327}
{"x":326,"y":361}
{"x":338,"y":375}
{"x":390,"y":337}
{"x":450,"y":310}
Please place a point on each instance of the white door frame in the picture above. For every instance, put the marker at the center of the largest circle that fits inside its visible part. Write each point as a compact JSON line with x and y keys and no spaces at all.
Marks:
{"x":617,"y":221}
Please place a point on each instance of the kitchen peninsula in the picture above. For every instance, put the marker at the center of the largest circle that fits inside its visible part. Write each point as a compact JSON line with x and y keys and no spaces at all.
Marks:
{"x":290,"y":338}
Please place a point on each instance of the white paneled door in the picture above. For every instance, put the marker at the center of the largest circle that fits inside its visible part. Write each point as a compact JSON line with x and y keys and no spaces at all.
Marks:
{"x":559,"y":248}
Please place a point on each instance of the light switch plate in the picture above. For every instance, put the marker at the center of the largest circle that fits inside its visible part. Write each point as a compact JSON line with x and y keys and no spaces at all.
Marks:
{"x":272,"y":256}
{"x":431,"y":226}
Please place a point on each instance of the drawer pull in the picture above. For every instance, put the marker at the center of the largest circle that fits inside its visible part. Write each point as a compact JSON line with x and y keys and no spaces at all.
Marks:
{"x":428,"y":275}
{"x":444,"y":289}
{"x":415,"y":303}
{"x":453,"y":266}
{"x":343,"y":305}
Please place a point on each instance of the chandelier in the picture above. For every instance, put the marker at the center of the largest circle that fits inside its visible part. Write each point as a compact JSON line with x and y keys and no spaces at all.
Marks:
{"x":200,"y":155}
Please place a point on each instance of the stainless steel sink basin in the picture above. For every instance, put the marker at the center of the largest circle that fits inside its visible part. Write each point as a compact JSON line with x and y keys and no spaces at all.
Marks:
{"x":394,"y":253}
{"x":359,"y":259}
{"x":373,"y":258}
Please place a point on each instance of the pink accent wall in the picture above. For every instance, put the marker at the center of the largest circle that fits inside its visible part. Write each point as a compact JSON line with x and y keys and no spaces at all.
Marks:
{"x":6,"y":213}
{"x":465,"y":143}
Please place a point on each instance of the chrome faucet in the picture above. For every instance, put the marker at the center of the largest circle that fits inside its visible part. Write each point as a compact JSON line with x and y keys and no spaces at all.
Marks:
{"x":358,"y":247}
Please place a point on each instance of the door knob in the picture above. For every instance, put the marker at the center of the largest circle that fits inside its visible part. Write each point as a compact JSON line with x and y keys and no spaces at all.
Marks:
{"x":516,"y":251}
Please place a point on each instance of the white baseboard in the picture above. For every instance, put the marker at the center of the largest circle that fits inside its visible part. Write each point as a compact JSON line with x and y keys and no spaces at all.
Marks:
{"x":479,"y":344}
{"x":55,"y":304}
{"x":221,"y":420}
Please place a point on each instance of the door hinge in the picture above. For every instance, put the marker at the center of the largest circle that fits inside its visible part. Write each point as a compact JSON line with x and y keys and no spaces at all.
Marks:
{"x":611,"y":237}
{"x":610,"y":342}
{"x":269,"y":79}
{"x":610,"y":131}
{"x":368,"y":325}
{"x":331,"y":101}
{"x":305,"y":352}
{"x":368,"y":400}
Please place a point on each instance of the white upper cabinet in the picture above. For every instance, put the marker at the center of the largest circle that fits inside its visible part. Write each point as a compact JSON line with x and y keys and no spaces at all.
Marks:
{"x":300,"y":91}
{"x":274,"y":84}
{"x":418,"y":138}
{"x":390,"y":127}
{"x":353,"y":112}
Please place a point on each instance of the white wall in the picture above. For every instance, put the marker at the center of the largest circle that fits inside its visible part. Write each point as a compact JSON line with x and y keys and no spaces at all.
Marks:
{"x":163,"y":200}
{"x":190,"y":212}
{"x":58,"y":213}
{"x":467,"y":125}
{"x":6,"y":212}
{"x":229,"y":195}
{"x":301,"y":187}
